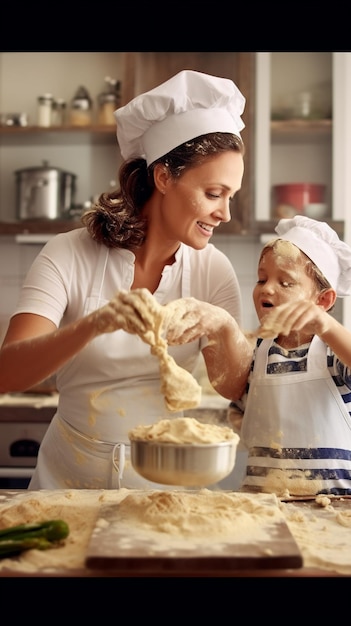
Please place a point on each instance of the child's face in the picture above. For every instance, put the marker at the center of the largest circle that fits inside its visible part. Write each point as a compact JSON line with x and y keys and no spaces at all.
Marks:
{"x":282,"y":277}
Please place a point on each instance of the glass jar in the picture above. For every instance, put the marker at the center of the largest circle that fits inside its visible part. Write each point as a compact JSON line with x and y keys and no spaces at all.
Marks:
{"x":59,"y":112}
{"x":303,"y":109}
{"x":108,"y":102}
{"x":81,"y":108}
{"x":45,"y":103}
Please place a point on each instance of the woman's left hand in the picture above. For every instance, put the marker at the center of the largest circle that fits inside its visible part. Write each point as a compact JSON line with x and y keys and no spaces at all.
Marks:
{"x":136,"y":312}
{"x":188,"y":319}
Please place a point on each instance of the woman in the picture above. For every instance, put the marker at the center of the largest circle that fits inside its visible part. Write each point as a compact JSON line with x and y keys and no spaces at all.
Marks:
{"x":183,"y":163}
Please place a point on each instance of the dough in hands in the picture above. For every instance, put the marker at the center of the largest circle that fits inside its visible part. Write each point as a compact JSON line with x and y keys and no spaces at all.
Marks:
{"x":180,"y":388}
{"x":145,"y":318}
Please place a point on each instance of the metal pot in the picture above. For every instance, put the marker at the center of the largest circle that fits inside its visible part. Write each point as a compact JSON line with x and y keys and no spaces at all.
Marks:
{"x":44,"y":192}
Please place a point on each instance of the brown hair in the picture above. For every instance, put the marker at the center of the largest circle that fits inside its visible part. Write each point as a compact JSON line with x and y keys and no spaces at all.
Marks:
{"x":115,"y":219}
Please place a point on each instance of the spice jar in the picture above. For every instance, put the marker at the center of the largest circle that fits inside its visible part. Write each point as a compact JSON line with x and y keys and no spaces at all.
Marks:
{"x":303,"y":108}
{"x":108,"y":102}
{"x":81,"y":108}
{"x":45,"y":103}
{"x":58,"y":112}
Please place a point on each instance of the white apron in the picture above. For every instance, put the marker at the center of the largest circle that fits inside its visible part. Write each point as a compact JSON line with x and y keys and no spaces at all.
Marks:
{"x":103,"y":397}
{"x":297,"y":424}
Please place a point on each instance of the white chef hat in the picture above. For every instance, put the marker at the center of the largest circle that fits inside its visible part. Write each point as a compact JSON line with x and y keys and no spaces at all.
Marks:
{"x":323,"y":246}
{"x":186,"y":106}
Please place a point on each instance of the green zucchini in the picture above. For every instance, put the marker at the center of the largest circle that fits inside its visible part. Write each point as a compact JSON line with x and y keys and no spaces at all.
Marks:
{"x":38,"y":535}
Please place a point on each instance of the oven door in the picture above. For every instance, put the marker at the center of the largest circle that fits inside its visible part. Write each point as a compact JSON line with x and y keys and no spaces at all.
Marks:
{"x":15,"y":477}
{"x":19,"y":446}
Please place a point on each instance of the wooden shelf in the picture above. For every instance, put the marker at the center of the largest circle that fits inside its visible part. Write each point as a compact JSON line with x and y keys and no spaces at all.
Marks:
{"x":301,"y":130}
{"x":60,"y":135}
{"x":50,"y":227}
{"x":27,"y":130}
{"x":262,"y":227}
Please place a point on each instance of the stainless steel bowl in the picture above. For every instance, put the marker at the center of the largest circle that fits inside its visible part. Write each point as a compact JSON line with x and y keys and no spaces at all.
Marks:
{"x":191,"y":465}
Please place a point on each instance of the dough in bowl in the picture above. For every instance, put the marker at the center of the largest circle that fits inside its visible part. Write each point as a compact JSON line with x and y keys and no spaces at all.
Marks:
{"x":182,"y":430}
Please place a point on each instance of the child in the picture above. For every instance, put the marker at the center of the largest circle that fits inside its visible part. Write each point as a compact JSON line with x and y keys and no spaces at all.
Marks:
{"x":296,"y":423}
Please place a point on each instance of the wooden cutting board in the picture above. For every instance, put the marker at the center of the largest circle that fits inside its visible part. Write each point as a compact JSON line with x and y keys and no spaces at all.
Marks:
{"x":128,"y":546}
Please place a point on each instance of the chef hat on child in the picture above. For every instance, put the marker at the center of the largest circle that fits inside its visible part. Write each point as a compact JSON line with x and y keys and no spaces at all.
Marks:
{"x":323,"y":246}
{"x":186,"y":106}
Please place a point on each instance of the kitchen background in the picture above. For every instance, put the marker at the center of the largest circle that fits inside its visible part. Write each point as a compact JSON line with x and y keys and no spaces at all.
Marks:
{"x":297,"y":130}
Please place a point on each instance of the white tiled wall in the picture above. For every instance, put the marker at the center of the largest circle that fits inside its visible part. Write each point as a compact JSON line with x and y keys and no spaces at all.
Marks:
{"x":244,"y":254}
{"x":15,"y":261}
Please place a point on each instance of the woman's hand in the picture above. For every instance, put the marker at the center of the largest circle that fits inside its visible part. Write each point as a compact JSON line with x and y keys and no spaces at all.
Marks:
{"x":228,"y":353}
{"x":136,"y":312}
{"x":188,"y":319}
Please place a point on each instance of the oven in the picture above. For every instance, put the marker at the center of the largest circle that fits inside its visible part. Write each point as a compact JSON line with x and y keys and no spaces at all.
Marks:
{"x":24,"y":419}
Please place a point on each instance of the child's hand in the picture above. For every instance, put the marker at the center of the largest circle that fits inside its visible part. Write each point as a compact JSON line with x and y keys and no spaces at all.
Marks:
{"x":301,"y":315}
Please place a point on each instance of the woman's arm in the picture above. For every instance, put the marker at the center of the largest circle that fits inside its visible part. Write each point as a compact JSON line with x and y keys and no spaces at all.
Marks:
{"x":228,"y":354}
{"x":34,"y":348}
{"x":228,"y":358}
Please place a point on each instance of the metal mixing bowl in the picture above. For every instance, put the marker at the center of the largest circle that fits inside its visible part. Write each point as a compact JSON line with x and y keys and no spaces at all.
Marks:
{"x":191,"y":465}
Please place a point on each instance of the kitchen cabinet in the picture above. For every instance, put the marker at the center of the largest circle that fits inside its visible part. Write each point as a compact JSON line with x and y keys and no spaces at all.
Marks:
{"x":89,"y":152}
{"x":92,"y":152}
{"x":294,"y":126}
{"x":304,"y":150}
{"x":93,"y":139}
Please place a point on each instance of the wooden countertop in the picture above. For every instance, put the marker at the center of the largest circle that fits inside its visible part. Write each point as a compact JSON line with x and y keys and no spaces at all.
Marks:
{"x":319,"y":517}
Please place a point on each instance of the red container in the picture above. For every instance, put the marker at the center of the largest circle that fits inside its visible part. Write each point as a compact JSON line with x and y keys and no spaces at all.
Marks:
{"x":296,"y":196}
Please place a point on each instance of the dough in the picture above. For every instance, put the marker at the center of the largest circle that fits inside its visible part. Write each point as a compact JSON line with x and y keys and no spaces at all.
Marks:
{"x":183,"y":430}
{"x":180,"y":389}
{"x":285,"y":483}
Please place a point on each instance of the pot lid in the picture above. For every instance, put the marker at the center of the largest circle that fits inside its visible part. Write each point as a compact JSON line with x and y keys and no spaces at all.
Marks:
{"x":45,"y":167}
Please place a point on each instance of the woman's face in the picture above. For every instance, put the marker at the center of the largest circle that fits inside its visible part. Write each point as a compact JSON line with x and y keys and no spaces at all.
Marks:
{"x":196,"y":203}
{"x":282,"y":277}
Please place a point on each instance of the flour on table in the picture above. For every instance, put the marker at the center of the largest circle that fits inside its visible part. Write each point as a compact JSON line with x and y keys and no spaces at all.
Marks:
{"x":323,"y":538}
{"x":321,"y":533}
{"x":171,"y":519}
{"x":205,"y":515}
{"x":78,"y":509}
